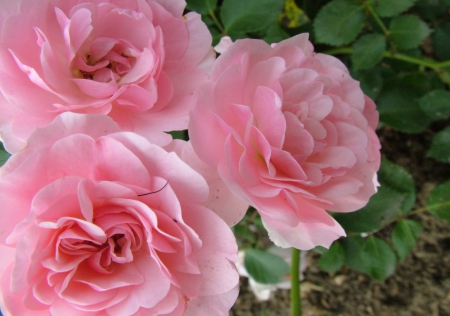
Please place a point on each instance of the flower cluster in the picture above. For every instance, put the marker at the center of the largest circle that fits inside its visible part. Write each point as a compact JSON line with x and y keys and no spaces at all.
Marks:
{"x":104,"y":214}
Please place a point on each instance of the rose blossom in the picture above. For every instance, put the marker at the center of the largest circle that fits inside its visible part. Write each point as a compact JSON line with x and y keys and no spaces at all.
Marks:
{"x":137,"y":61}
{"x":291,"y":133}
{"x":102,"y":222}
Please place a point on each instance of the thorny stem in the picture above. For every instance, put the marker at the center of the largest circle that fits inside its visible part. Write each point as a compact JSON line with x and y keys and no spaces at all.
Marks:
{"x":296,"y":303}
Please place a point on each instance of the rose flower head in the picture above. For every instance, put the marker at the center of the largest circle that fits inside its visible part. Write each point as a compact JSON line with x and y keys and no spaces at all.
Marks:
{"x":97,"y":221}
{"x":137,"y":61}
{"x":291,"y":133}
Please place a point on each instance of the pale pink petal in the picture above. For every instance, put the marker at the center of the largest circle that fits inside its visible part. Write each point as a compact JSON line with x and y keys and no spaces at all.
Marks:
{"x":301,"y":41}
{"x":205,"y":126}
{"x":298,"y":141}
{"x":12,"y":304}
{"x":97,"y":89}
{"x":188,"y":184}
{"x":224,"y":43}
{"x":212,"y":305}
{"x":141,"y":69}
{"x":201,"y":220}
{"x":71,"y":123}
{"x":334,"y":157}
{"x":199,"y":46}
{"x":220,"y":199}
{"x":316,"y":228}
{"x":268,"y":117}
{"x":75,"y":30}
{"x":175,"y":7}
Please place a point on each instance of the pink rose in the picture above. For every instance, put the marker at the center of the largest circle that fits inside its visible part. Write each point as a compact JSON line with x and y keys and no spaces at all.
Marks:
{"x":101,"y":222}
{"x":291,"y":133}
{"x":137,"y":61}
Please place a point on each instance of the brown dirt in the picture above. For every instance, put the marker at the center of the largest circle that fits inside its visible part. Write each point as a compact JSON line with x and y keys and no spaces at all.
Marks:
{"x":421,"y":284}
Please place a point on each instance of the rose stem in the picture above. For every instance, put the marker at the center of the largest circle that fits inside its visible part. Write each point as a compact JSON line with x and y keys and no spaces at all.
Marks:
{"x":296,"y":303}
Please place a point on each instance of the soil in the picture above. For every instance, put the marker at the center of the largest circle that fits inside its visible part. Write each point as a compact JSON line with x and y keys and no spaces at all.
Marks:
{"x":421,"y":284}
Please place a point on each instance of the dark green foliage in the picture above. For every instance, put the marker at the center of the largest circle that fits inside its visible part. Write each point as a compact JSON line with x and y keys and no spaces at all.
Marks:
{"x":339,"y":22}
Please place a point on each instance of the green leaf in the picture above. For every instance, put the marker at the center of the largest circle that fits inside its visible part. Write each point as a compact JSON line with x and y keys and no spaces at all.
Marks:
{"x":378,"y":213}
{"x":405,"y":235}
{"x":390,"y":8}
{"x":353,"y":246}
{"x":4,"y":156}
{"x":249,"y":15}
{"x":439,"y":201}
{"x":408,"y":31}
{"x":399,"y":180}
{"x":243,"y":233}
{"x":440,"y":146}
{"x":333,"y":259}
{"x":237,"y":35}
{"x":370,"y":80}
{"x":201,"y":6}
{"x":275,"y":34}
{"x":440,"y":39}
{"x":398,"y":106}
{"x":436,"y":104}
{"x":265,"y":267}
{"x":339,"y":22}
{"x":368,"y":51}
{"x":179,"y":135}
{"x":319,"y":249}
{"x":379,"y":259}
{"x":395,"y":196}
{"x":430,"y":9}
{"x":259,"y":225}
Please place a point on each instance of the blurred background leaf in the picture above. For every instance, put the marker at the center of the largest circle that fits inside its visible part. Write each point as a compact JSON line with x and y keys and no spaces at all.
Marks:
{"x":405,"y":235}
{"x":439,"y":201}
{"x":265,"y":267}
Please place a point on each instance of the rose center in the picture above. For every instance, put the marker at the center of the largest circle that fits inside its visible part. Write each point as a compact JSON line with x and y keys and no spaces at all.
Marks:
{"x":104,"y":64}
{"x":117,"y":243}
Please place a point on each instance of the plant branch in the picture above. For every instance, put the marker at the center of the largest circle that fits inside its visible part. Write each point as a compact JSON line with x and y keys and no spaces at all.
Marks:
{"x":434,"y":65}
{"x":216,"y":21}
{"x":422,"y":209}
{"x":377,"y":19}
{"x":413,"y":60}
{"x":296,"y":303}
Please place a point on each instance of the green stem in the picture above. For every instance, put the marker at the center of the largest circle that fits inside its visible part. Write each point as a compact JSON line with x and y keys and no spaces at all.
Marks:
{"x":413,"y":60}
{"x":421,"y":210}
{"x":404,"y":216}
{"x":378,"y":20}
{"x":216,"y":21}
{"x":296,"y":303}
